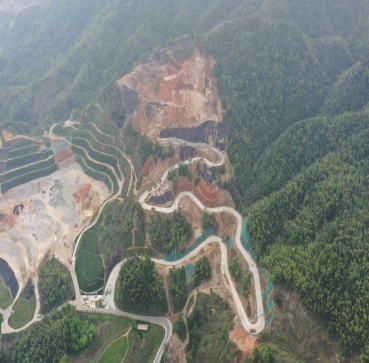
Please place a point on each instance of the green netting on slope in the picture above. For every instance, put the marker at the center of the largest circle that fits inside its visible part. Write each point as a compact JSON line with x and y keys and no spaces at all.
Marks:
{"x":209,"y":232}
{"x":269,"y":305}
{"x":270,"y":319}
{"x":245,"y":240}
{"x":60,"y":147}
{"x":190,"y":271}
{"x":94,"y":173}
{"x":180,"y":255}
{"x":171,"y":257}
{"x":200,"y":239}
{"x":176,"y":254}
{"x":229,"y":243}
{"x":264,"y":275}
{"x":267,"y":289}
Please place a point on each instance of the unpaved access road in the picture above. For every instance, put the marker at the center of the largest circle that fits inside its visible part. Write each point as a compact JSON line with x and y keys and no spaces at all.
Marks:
{"x":250,"y":326}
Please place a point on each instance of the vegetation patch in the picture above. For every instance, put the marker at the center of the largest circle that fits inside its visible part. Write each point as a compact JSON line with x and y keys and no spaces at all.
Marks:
{"x":318,"y":240}
{"x":89,"y":263}
{"x":90,"y":171}
{"x":202,"y":271}
{"x":208,"y":220}
{"x":6,"y":297}
{"x":169,"y":232}
{"x":55,"y":285}
{"x":140,"y":288}
{"x":180,"y":328}
{"x":116,"y":352}
{"x":64,"y":333}
{"x":27,"y":159}
{"x":242,"y":279}
{"x":263,"y":355}
{"x":22,"y":143}
{"x":26,"y":178}
{"x":26,"y":150}
{"x":96,"y":166}
{"x":208,"y":326}
{"x":98,"y":144}
{"x":145,"y":345}
{"x":27,"y":169}
{"x":97,"y":155}
{"x":178,"y":288}
{"x":108,"y":328}
{"x":114,"y":230}
{"x":24,"y":308}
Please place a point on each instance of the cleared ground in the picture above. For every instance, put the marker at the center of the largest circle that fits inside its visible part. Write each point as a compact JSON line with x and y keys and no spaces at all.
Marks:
{"x":89,"y":263}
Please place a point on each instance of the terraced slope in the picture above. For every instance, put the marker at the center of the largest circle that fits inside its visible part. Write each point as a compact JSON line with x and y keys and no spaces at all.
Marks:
{"x":98,"y":156}
{"x":25,"y":164}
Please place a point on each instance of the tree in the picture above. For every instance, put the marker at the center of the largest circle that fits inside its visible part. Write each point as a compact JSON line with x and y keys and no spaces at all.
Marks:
{"x":55,"y":285}
{"x":140,"y":288}
{"x":208,"y":220}
{"x":202,"y":271}
{"x":180,"y":328}
{"x":261,"y":355}
{"x":178,"y":288}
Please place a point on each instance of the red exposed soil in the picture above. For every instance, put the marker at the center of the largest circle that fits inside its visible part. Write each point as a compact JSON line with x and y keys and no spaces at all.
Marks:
{"x":7,"y":219}
{"x":81,"y":195}
{"x":244,"y":340}
{"x":63,"y":154}
{"x":183,"y":185}
{"x":184,"y":94}
{"x":149,"y":165}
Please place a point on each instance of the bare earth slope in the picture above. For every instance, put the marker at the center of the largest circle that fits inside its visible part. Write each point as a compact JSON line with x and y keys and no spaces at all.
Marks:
{"x":164,"y":92}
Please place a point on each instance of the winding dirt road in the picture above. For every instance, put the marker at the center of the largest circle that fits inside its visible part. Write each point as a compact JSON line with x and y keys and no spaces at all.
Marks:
{"x":251,"y":326}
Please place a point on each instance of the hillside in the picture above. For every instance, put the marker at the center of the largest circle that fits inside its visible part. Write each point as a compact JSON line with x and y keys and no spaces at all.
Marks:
{"x":288,"y":83}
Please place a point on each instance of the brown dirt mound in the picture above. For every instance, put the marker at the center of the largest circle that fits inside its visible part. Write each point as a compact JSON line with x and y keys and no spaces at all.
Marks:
{"x":244,"y":340}
{"x":81,"y":195}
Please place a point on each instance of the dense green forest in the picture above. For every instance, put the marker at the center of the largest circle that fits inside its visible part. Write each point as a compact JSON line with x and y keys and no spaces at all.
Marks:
{"x":202,"y":271}
{"x":178,"y":288}
{"x":55,"y":286}
{"x":313,"y":233}
{"x":140,"y":288}
{"x":209,"y":325}
{"x":168,"y":232}
{"x":63,"y":333}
